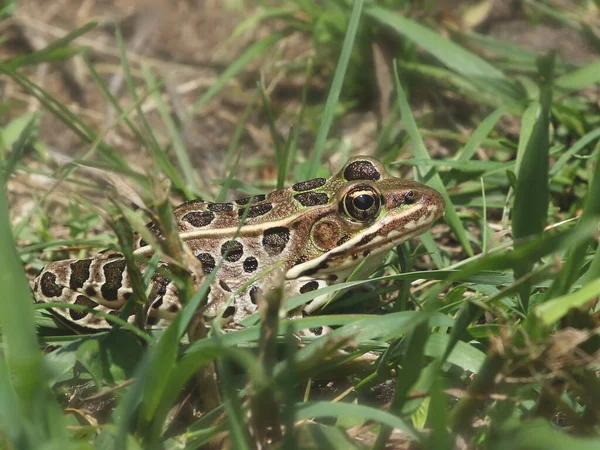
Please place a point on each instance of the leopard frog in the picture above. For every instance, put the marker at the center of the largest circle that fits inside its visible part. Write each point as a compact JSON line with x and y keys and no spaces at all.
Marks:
{"x":318,"y":231}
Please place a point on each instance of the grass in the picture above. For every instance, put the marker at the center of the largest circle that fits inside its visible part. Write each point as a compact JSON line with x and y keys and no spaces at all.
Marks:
{"x":483,"y":331}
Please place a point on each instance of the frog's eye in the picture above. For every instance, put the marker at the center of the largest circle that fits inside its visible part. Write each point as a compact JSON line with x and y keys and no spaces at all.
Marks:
{"x":362,"y":203}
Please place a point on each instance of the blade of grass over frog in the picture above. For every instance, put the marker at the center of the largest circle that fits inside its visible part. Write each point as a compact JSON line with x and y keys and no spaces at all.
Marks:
{"x":420,"y":152}
{"x":253,"y":51}
{"x":37,"y":407}
{"x":57,"y":50}
{"x":570,"y":270}
{"x":532,"y":194}
{"x":158,"y":155}
{"x":336,"y":88}
{"x":185,"y":164}
{"x":322,"y":410}
{"x":109,"y":318}
{"x":483,"y":131}
{"x":581,"y":143}
{"x":481,"y":277}
{"x":585,"y":76}
{"x":18,"y":150}
{"x":553,"y":310}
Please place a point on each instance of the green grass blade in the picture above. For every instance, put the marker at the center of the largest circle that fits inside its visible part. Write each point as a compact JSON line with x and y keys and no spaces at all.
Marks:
{"x":255,"y":50}
{"x":56,"y":51}
{"x":585,"y":76}
{"x":483,"y":130}
{"x":434,"y":180}
{"x":37,"y":409}
{"x":185,"y":164}
{"x":478,"y":71}
{"x":319,"y":410}
{"x":576,"y":255}
{"x":451,"y":54}
{"x":532,"y":194}
{"x":555,"y":309}
{"x":336,"y":88}
{"x":9,"y":163}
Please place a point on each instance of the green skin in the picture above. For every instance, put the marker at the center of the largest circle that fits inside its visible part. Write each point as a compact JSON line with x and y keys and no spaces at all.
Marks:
{"x":317,"y":232}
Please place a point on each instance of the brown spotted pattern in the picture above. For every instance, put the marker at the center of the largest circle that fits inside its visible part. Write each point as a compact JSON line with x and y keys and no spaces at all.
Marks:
{"x":305,"y":230}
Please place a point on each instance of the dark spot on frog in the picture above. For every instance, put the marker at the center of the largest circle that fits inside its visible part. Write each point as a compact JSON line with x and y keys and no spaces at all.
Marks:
{"x":220,"y":207}
{"x":257,"y":199}
{"x":83,"y":301}
{"x":208,"y":262}
{"x":308,"y":185}
{"x":250,"y":264}
{"x":309,"y":272}
{"x":157,"y":304}
{"x":152,"y":320}
{"x":275,"y":240}
{"x":80,"y":272}
{"x":49,"y":287}
{"x":224,"y":286}
{"x":312,"y":198}
{"x":113,"y":275}
{"x":310,"y":286}
{"x":232,"y":250}
{"x":255,"y":210}
{"x":255,"y":291}
{"x":317,"y":331}
{"x":199,"y":218}
{"x":343,"y":239}
{"x":361,"y":170}
{"x":229,"y":311}
{"x":90,"y":291}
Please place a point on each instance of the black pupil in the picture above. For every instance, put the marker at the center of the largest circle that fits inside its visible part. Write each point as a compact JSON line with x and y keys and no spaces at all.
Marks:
{"x":363,"y":201}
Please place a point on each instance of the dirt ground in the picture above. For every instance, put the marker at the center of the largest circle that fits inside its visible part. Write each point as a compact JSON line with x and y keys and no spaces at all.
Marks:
{"x":187,"y":43}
